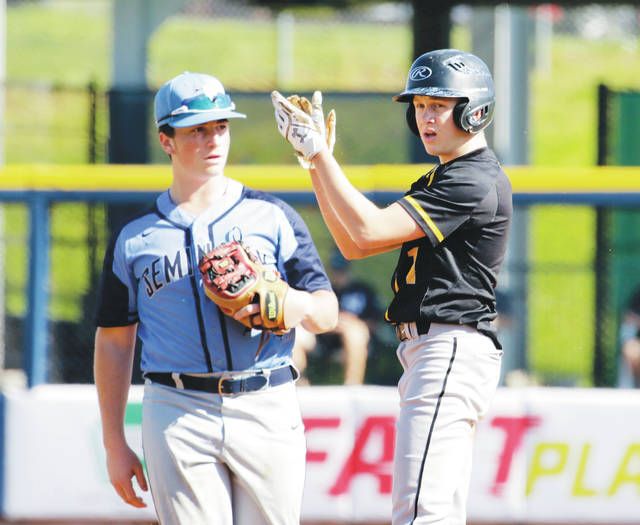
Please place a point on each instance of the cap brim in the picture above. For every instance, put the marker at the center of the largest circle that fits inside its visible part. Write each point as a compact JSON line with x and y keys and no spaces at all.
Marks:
{"x":193,"y":119}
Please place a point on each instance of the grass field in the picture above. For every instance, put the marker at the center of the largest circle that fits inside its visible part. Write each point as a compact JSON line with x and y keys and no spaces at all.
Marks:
{"x":43,"y":45}
{"x":53,"y":45}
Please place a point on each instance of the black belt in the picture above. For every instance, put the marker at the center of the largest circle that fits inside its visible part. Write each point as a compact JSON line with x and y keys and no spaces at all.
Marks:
{"x":406,"y":331}
{"x":225,"y":384}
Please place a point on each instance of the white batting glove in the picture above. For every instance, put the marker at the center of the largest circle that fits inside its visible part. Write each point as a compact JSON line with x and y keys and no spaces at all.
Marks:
{"x":328,"y":128}
{"x":314,"y":110}
{"x":304,"y":104}
{"x":302,"y":124}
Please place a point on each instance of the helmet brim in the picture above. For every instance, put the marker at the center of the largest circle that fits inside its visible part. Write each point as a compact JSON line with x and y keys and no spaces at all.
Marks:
{"x":407,"y":96}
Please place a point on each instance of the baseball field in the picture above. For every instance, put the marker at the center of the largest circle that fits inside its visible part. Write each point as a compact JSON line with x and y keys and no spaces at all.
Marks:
{"x":547,"y":451}
{"x":348,"y":59}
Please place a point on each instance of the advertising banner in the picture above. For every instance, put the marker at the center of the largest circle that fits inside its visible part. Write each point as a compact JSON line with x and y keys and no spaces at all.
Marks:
{"x":541,"y":455}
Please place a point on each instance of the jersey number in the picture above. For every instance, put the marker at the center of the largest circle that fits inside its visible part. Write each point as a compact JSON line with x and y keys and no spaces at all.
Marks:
{"x":411,"y":274}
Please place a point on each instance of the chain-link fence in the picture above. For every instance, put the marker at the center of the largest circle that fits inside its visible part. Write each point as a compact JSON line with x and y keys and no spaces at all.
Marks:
{"x":79,"y":232}
{"x":57,"y":100}
{"x":561,"y":271}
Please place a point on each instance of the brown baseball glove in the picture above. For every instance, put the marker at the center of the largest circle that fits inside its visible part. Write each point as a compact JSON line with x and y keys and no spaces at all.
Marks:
{"x":233,"y":277}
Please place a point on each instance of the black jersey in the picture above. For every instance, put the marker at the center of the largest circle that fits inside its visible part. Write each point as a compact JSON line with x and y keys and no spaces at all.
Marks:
{"x":449,"y":276}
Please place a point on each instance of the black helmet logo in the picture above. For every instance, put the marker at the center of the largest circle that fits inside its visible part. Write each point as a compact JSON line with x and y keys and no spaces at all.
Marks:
{"x":420,"y":73}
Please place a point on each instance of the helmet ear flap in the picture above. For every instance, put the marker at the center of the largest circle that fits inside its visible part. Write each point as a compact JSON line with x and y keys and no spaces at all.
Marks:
{"x":411,"y":119}
{"x":459,"y":117}
{"x":458,"y":114}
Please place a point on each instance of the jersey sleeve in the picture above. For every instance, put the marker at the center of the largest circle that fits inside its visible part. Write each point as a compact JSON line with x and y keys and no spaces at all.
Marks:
{"x":302,"y":265}
{"x":117,"y":293}
{"x":441,"y":206}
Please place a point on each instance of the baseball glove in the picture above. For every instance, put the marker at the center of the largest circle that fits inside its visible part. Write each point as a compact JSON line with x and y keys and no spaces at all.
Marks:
{"x":233,"y":277}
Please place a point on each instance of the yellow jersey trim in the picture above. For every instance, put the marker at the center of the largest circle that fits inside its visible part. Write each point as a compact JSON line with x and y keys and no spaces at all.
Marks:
{"x":432,"y":225}
{"x":431,"y":176}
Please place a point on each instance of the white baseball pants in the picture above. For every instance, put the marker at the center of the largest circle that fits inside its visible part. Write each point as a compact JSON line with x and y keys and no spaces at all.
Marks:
{"x":450,"y":376}
{"x":230,"y":460}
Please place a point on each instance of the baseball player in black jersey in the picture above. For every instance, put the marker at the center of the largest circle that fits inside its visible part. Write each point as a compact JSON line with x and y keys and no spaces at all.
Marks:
{"x":451,"y":228}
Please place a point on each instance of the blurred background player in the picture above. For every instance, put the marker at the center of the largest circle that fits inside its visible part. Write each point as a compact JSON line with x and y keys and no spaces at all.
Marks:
{"x":629,"y":361}
{"x":358,"y":319}
{"x":222,"y":431}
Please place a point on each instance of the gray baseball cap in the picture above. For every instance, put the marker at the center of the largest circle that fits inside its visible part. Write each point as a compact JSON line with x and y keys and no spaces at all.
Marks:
{"x":191,"y":99}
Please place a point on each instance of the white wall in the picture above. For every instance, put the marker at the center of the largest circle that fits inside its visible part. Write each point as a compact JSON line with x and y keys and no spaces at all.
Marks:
{"x":542,"y":455}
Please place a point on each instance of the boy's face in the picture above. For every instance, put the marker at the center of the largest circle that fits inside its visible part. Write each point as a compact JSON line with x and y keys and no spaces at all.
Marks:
{"x":202,"y":148}
{"x":438,"y":131}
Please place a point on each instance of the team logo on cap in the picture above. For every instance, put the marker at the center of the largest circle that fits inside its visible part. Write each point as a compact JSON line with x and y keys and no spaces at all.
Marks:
{"x":420,"y":73}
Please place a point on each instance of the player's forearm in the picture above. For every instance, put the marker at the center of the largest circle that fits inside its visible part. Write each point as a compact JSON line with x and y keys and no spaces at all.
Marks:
{"x":316,"y":311}
{"x":631,"y":353}
{"x":354,"y":211}
{"x":323,"y":316}
{"x":339,"y":232}
{"x":343,"y":240}
{"x":112,"y":373}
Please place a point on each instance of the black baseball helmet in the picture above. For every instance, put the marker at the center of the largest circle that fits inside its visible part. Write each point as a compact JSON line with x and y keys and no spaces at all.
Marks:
{"x":451,"y":73}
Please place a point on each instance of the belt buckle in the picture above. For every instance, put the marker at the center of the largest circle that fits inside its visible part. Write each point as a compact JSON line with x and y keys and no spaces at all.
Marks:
{"x":401,"y":331}
{"x":221,"y":379}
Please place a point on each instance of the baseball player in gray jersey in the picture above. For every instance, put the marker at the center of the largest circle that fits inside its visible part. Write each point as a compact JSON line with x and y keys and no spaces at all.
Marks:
{"x":223,"y":438}
{"x":451,"y":228}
